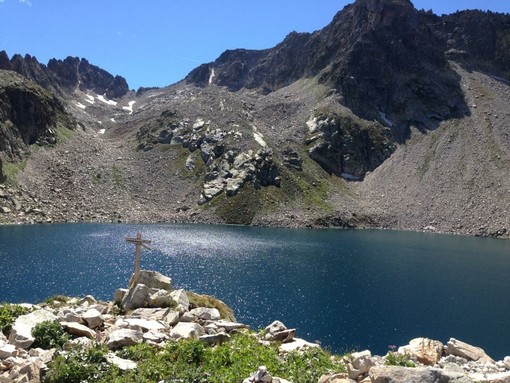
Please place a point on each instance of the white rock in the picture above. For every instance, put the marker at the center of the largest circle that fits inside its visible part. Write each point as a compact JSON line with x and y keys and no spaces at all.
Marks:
{"x":78,"y":329}
{"x":187,"y":330}
{"x":424,"y":350}
{"x":206,"y":313}
{"x":464,"y":350}
{"x":122,"y":364}
{"x":275,"y":327}
{"x":21,"y":332}
{"x":119,"y":295}
{"x":296,"y":344}
{"x":155,"y":280}
{"x":87,"y":301}
{"x":124,"y":337}
{"x":155,"y":336}
{"x":7,"y":350}
{"x":180,"y":297}
{"x":142,"y":324}
{"x":93,"y":318}
{"x":160,"y":298}
{"x":360,"y":363}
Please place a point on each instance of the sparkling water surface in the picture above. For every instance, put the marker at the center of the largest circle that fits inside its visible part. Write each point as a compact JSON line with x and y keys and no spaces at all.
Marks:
{"x":350,"y":290}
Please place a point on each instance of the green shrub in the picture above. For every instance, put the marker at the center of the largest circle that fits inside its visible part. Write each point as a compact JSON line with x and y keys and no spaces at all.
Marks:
{"x":49,"y":334}
{"x":8,"y":314}
{"x":396,"y":359}
{"x":192,"y":361}
{"x":81,"y":366}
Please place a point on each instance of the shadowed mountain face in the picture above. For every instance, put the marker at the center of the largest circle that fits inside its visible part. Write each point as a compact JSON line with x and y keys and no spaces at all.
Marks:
{"x":385,"y":60}
{"x":63,"y":76}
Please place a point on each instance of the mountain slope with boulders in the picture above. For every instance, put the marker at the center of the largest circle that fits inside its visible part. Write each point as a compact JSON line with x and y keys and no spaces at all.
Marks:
{"x":387,"y":117}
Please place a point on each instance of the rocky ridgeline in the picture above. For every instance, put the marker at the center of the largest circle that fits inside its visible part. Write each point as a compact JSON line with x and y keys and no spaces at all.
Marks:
{"x":152,"y":312}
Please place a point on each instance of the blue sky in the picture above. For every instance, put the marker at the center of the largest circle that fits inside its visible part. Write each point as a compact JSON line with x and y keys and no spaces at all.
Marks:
{"x":157,"y":42}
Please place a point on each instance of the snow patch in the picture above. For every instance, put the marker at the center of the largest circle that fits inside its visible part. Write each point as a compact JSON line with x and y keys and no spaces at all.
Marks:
{"x":108,"y":102}
{"x":312,"y":124}
{"x":130,"y":107}
{"x":259,"y":137}
{"x":101,"y":131}
{"x":80,"y":105}
{"x":385,"y":120}
{"x":112,"y":119}
{"x":211,"y":76}
{"x":91,"y":98}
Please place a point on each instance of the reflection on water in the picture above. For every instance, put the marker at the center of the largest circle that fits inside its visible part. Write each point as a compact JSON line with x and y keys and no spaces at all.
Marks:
{"x":348,"y":289}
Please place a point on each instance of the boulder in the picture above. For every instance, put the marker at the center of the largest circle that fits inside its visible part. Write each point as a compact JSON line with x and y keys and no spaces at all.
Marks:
{"x":160,"y":298}
{"x":73,"y":317}
{"x":296,"y":345}
{"x":284,"y":336}
{"x":122,"y":364}
{"x":7,"y":350}
{"x":87,"y":301}
{"x":93,"y":318}
{"x":464,"y":350}
{"x":261,"y":376}
{"x":154,"y":280}
{"x":360,"y":363}
{"x":78,"y":343}
{"x":180,"y":298}
{"x":424,"y":350}
{"x":21,"y":332}
{"x":155,"y":313}
{"x":187,"y":330}
{"x":141,"y":324}
{"x":206,"y":313}
{"x":119,"y":295}
{"x":78,"y":329}
{"x":124,"y":337}
{"x":155,"y":336}
{"x":276,"y":326}
{"x":395,"y":374}
{"x":229,"y":326}
{"x":138,"y":296}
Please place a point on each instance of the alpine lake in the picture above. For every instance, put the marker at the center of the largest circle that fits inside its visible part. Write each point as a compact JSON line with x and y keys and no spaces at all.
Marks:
{"x":349,"y":290}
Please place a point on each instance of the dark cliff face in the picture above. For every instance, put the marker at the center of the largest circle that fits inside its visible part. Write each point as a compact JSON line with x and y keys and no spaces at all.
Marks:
{"x":29,"y":115}
{"x":388,"y":61}
{"x":62,"y":76}
{"x":475,"y":39}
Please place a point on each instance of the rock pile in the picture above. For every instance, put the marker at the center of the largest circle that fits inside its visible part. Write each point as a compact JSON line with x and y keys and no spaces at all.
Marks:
{"x":431,"y":361}
{"x":136,"y":318}
{"x":88,"y":320}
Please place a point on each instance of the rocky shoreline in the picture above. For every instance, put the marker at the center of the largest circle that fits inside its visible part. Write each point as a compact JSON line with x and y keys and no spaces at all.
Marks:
{"x":151,"y":312}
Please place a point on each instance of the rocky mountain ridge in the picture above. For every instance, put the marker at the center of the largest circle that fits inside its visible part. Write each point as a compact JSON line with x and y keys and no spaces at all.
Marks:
{"x":384,"y":118}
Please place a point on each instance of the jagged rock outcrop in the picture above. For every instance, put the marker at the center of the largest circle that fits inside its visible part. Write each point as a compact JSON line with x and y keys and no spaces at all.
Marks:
{"x":63,"y":76}
{"x":475,"y":39}
{"x":28,"y":115}
{"x":347,"y":148}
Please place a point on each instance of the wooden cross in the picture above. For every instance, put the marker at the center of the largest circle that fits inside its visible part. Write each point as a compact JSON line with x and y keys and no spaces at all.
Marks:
{"x":139,"y":243}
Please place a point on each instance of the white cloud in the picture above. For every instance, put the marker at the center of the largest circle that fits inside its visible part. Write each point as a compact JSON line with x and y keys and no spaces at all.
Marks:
{"x":26,"y":2}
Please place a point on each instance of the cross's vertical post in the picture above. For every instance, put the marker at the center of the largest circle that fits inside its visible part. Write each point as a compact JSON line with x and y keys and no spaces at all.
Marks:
{"x":139,"y":243}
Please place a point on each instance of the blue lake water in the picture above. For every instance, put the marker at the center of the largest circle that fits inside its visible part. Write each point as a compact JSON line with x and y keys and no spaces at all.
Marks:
{"x":350,"y":290}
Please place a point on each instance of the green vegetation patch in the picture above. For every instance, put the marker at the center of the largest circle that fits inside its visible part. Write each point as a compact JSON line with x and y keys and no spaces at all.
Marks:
{"x":8,"y":314}
{"x":11,"y":171}
{"x":199,"y":300}
{"x":193,"y":361}
{"x":49,"y":334}
{"x":239,"y":209}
